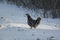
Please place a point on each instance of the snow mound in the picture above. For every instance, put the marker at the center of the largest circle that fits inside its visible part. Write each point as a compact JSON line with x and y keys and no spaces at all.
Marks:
{"x":40,"y":26}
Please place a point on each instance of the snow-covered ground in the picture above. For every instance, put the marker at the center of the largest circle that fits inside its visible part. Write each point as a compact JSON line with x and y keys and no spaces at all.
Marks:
{"x":18,"y":33}
{"x":13,"y":25}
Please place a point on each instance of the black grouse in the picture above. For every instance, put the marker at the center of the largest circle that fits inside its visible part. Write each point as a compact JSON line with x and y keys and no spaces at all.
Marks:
{"x":31,"y":22}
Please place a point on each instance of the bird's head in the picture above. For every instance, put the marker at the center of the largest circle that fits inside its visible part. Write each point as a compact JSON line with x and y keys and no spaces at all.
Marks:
{"x":27,"y":15}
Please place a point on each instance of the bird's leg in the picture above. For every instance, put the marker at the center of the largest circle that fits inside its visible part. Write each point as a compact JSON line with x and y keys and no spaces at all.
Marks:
{"x":31,"y":28}
{"x":34,"y":27}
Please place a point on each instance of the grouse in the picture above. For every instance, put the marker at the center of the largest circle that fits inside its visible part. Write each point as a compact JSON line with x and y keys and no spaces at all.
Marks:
{"x":31,"y":22}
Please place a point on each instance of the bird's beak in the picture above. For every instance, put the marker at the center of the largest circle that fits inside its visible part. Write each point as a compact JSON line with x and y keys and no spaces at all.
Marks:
{"x":25,"y":15}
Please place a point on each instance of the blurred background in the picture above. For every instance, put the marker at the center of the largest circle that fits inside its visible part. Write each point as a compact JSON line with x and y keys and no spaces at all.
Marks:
{"x":43,"y":8}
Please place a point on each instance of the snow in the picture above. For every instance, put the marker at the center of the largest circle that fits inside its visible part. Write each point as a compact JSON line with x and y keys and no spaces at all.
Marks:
{"x":13,"y":25}
{"x":18,"y":33}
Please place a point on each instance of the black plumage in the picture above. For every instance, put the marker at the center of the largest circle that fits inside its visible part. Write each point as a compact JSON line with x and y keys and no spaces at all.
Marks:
{"x":31,"y":22}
